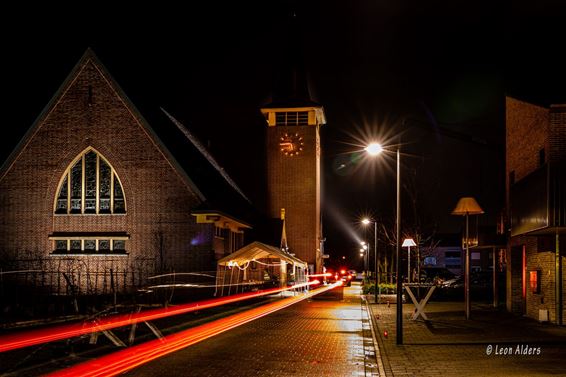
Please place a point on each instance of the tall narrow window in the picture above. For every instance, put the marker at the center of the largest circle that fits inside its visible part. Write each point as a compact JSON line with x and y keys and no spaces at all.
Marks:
{"x":90,"y":185}
{"x":541,"y":157}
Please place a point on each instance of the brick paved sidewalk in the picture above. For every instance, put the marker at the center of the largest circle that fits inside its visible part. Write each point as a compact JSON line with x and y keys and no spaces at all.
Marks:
{"x":491,"y":343}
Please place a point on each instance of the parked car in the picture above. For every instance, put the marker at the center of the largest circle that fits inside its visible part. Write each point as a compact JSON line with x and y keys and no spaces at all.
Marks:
{"x":456,"y":282}
{"x":436,"y":275}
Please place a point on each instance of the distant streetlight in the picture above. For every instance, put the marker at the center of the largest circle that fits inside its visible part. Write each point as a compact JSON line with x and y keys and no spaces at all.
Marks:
{"x":374,"y":149}
{"x":367,"y":221}
{"x":408,"y":242}
{"x":467,"y":206}
{"x":365,"y":250}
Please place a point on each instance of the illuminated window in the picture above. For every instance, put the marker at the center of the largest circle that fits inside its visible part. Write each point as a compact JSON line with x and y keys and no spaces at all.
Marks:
{"x":534,"y":281}
{"x":88,"y":245}
{"x":90,"y":185}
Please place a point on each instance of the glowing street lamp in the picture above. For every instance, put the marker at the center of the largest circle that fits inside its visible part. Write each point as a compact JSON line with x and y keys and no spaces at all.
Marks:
{"x":367,"y":221}
{"x":375,"y":149}
{"x":365,"y":250}
{"x":467,"y":206}
{"x":408,"y":242}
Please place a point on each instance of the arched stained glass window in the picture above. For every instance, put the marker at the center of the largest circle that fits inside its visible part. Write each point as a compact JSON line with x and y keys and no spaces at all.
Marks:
{"x":90,"y":185}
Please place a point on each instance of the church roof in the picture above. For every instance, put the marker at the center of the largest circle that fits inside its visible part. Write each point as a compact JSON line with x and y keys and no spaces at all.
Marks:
{"x":199,"y":170}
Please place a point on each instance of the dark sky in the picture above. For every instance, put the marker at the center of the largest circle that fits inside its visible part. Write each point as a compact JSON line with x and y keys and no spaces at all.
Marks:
{"x":433,"y":73}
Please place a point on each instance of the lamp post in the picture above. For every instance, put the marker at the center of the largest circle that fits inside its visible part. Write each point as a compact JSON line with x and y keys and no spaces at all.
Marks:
{"x":367,"y":221}
{"x":467,"y":206}
{"x":365,"y":250}
{"x":374,"y":149}
{"x":408,"y":242}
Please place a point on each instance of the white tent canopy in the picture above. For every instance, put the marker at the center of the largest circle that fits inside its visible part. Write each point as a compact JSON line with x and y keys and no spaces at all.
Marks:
{"x":258,"y":265}
{"x":257,"y":250}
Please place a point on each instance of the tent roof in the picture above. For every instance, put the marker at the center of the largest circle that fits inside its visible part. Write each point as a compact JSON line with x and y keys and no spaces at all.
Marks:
{"x":258,"y":250}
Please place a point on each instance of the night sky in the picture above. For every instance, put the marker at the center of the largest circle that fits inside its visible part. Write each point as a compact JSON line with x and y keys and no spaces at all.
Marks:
{"x":433,"y":74}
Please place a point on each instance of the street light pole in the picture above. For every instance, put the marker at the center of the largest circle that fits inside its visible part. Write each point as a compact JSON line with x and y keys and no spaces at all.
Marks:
{"x":397,"y":256}
{"x":408,"y":242}
{"x":374,"y":149}
{"x":377,"y":290}
{"x":367,"y":221}
{"x":467,"y":206}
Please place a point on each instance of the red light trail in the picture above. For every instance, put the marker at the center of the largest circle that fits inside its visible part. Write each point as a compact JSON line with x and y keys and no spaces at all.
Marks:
{"x":124,"y":360}
{"x":33,"y":337}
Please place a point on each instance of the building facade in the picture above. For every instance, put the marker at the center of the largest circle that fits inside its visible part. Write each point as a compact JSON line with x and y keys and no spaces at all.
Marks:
{"x":92,"y":201}
{"x":536,"y":201}
{"x":293,"y":176}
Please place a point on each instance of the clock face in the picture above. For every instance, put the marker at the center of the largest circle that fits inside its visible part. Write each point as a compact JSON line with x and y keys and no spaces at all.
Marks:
{"x":291,"y":144}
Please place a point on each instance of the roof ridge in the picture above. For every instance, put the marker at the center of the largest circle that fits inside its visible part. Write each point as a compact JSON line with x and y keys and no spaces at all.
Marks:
{"x":202,"y":149}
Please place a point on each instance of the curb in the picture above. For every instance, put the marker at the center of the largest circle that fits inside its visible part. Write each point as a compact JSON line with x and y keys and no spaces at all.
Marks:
{"x":373,"y":326}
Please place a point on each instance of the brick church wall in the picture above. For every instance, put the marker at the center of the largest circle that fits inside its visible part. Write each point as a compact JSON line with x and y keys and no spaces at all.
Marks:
{"x":90,"y":112}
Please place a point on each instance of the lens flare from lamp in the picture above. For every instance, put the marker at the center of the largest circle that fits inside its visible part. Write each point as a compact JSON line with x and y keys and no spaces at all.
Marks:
{"x":374,"y":149}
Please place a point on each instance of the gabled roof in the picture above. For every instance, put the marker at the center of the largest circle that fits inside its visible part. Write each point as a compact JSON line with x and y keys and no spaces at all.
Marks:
{"x":88,"y":57}
{"x":208,"y":182}
{"x":258,"y":250}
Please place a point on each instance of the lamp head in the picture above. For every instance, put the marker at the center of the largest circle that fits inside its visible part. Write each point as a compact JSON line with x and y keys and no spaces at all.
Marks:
{"x":366,"y":221}
{"x":467,"y":206}
{"x":374,"y":149}
{"x":409,"y":242}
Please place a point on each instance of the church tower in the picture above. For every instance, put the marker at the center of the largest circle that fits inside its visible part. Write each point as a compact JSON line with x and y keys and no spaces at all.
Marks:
{"x":293,"y":162}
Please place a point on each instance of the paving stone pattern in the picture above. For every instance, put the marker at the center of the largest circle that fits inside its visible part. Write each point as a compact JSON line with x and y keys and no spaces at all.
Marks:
{"x":449,"y":345}
{"x":319,"y":337}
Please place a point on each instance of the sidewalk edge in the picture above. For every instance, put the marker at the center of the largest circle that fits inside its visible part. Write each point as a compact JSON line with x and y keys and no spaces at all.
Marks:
{"x":373,"y":326}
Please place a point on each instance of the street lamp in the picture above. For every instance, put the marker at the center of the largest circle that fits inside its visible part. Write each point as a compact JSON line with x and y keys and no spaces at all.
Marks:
{"x":375,"y":149}
{"x":367,"y":221}
{"x":467,"y":206}
{"x":408,"y":242}
{"x":365,"y":250}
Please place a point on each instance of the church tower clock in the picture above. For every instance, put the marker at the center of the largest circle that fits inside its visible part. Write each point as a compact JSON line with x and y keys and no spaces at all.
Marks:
{"x":293,"y":168}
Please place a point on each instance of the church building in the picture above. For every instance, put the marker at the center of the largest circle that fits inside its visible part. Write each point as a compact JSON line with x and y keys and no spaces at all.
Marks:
{"x":93,"y":200}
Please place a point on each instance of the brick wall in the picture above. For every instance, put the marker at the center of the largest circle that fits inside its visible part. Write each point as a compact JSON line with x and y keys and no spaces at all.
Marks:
{"x":514,"y":285}
{"x":557,"y":136}
{"x":526,"y":134}
{"x":157,"y":198}
{"x":529,"y":128}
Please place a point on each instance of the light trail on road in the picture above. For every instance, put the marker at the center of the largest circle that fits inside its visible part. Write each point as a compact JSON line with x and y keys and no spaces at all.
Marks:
{"x":33,"y":337}
{"x":124,"y":360}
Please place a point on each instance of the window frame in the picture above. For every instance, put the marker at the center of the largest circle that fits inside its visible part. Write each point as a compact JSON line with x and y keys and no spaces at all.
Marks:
{"x":83,"y":251}
{"x":66,"y":178}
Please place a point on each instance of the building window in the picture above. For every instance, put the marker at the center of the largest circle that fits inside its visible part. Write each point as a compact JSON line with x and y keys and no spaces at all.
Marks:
{"x":534,"y":281}
{"x":541,"y":157}
{"x":292,"y":118}
{"x":430,"y":261}
{"x":219,"y":232}
{"x":89,"y":245}
{"x":90,"y":185}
